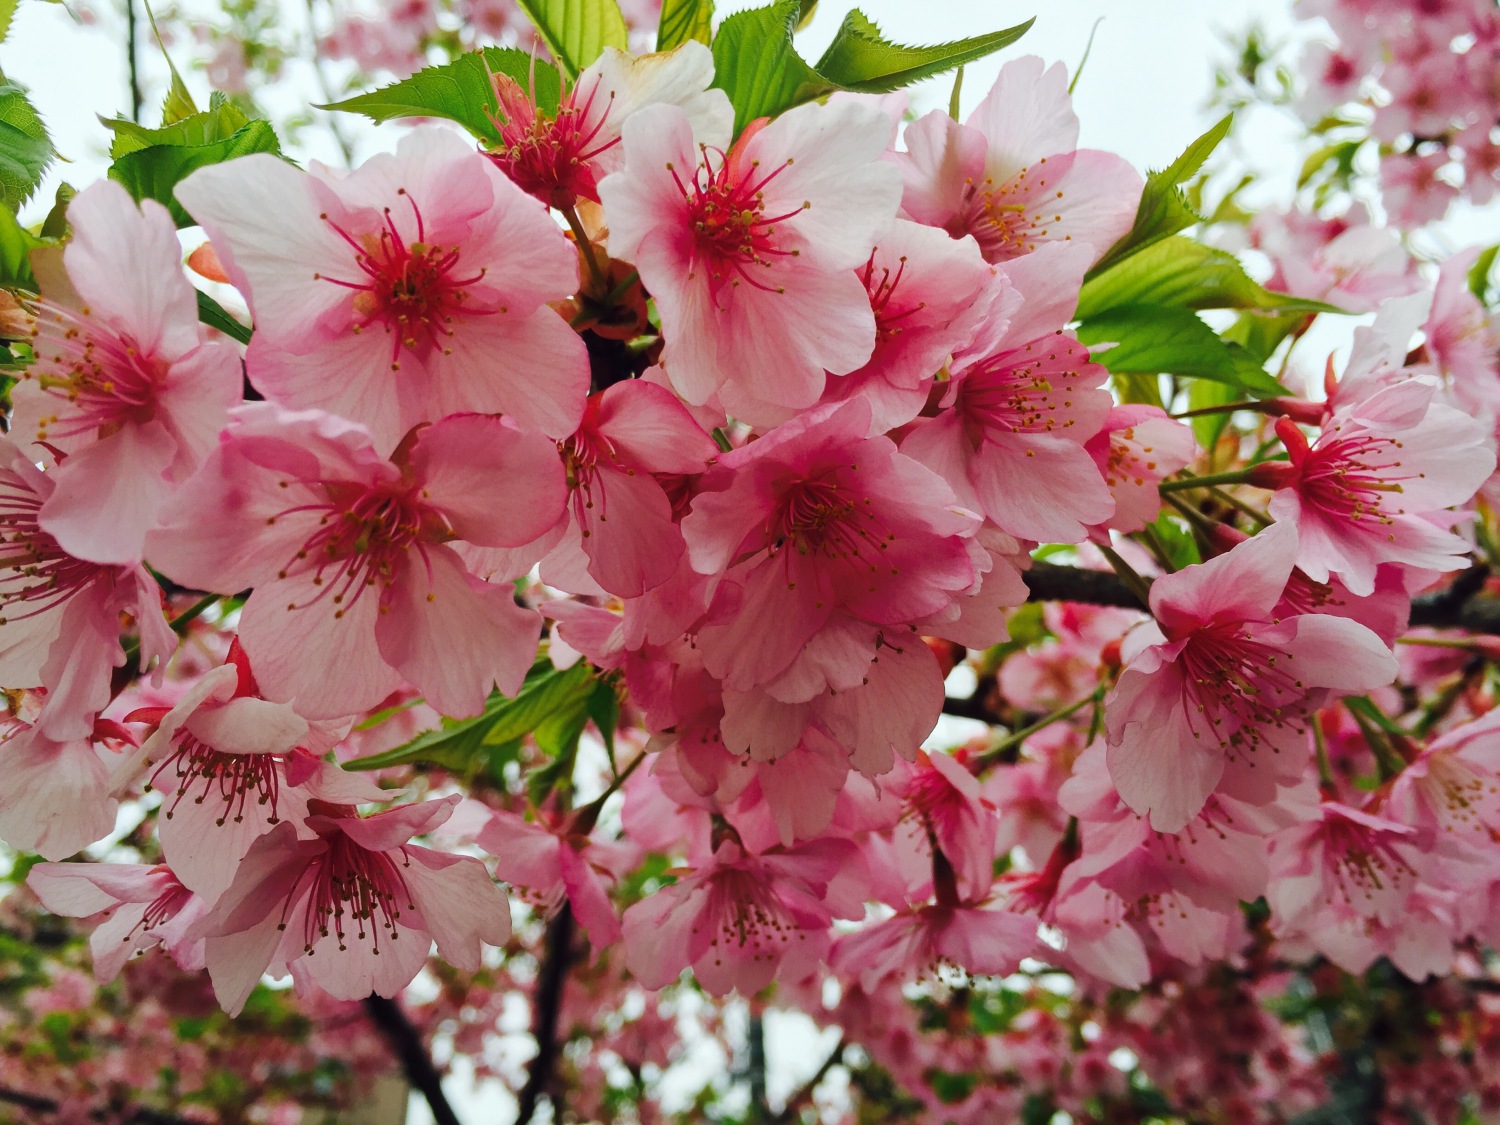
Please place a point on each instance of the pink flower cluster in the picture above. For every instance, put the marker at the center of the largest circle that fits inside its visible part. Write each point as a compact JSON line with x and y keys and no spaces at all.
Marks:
{"x":858,"y":411}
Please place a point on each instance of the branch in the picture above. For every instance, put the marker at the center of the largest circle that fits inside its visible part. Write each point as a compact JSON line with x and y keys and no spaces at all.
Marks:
{"x":547,"y":1006}
{"x":1049,"y":582}
{"x":803,"y":1094}
{"x":406,"y":1044}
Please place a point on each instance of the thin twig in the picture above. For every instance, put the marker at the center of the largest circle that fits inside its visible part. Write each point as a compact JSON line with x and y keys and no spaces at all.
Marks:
{"x":547,"y":1008}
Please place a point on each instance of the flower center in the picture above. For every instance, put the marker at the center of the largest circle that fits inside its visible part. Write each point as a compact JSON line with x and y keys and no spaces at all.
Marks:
{"x":549,"y":157}
{"x":226,"y":780}
{"x":1353,"y":477}
{"x":726,"y":209}
{"x":824,"y":517}
{"x":101,"y":380}
{"x":1236,"y":690}
{"x":411,"y":289}
{"x":881,"y":285}
{"x":1007,"y":220}
{"x":353,"y":893}
{"x":34,"y":571}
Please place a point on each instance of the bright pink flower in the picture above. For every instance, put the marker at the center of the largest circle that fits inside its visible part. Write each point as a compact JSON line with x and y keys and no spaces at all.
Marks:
{"x":413,"y":288}
{"x":1360,"y":494}
{"x":1136,"y":450}
{"x":353,"y":910}
{"x":929,"y":294}
{"x":143,"y":907}
{"x":1021,"y":406}
{"x":231,"y":766}
{"x":124,"y":392}
{"x":559,"y":866}
{"x":944,"y":802}
{"x":61,"y":625}
{"x":357,"y":583}
{"x":57,"y":799}
{"x":741,"y":918}
{"x":1344,"y":261}
{"x":1012,"y":175}
{"x":622,"y":518}
{"x":977,"y":938}
{"x":751,"y":254}
{"x":1066,"y":666}
{"x":1216,"y":680}
{"x":827,"y":540}
{"x":560,"y":158}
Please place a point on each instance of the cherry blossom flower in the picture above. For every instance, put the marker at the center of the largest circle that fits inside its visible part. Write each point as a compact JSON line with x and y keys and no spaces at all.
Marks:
{"x":357,"y":583}
{"x":358,"y":894}
{"x":741,"y":918}
{"x":1012,"y":175}
{"x":1217,"y":690}
{"x":413,"y":288}
{"x":560,"y":158}
{"x":61,"y":625}
{"x":125,"y":397}
{"x":979,"y":939}
{"x":59,"y":798}
{"x":144,"y":907}
{"x":751,"y":253}
{"x":1138,"y":447}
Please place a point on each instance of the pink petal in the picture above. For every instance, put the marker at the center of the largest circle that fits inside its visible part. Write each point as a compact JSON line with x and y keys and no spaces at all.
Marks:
{"x":108,"y":495}
{"x":458,"y":903}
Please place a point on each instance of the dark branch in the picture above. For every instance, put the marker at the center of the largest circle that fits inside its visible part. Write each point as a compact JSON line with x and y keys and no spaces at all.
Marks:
{"x":1049,"y":582}
{"x":138,"y":1116}
{"x":803,"y":1094}
{"x":412,"y":1054}
{"x":547,"y":1007}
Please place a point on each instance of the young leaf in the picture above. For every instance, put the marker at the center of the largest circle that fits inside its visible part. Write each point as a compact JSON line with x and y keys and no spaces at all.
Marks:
{"x":25,"y":149}
{"x":757,"y":66}
{"x":460,"y":91}
{"x":1163,"y":209}
{"x":1182,"y":273}
{"x":577,"y":31}
{"x":7,"y":13}
{"x":55,"y":225}
{"x":682,"y":20}
{"x":16,"y":245}
{"x":1154,"y":340}
{"x":1479,"y":275}
{"x":860,"y":58}
{"x":151,"y":172}
{"x":213,"y":314}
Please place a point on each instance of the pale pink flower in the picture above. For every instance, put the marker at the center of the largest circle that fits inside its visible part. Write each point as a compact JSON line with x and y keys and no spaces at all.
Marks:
{"x":1012,"y":175}
{"x":142,"y":907}
{"x":741,"y":918}
{"x":561,"y":158}
{"x":1363,"y":492}
{"x":353,"y":910}
{"x":1022,"y":404}
{"x":979,"y":938}
{"x":358,"y":585}
{"x":558,"y":865}
{"x":944,"y":803}
{"x":124,"y":395}
{"x":751,"y":254}
{"x":412,"y":288}
{"x":1217,"y":690}
{"x":1137,"y":449}
{"x":1463,"y":338}
{"x":929,"y":294}
{"x":1344,"y":261}
{"x":1414,"y":190}
{"x":1450,"y":793}
{"x":61,"y":625}
{"x":1066,"y":666}
{"x":230,"y":766}
{"x":622,"y":518}
{"x":828,"y":541}
{"x":57,"y":799}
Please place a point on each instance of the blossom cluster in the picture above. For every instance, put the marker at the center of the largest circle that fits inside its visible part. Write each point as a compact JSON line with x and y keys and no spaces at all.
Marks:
{"x":753,"y":434}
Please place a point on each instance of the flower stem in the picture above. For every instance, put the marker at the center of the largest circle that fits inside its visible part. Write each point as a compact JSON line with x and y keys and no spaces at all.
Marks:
{"x":1015,"y":738}
{"x":586,"y":248}
{"x":1232,"y":476}
{"x":1138,"y":585}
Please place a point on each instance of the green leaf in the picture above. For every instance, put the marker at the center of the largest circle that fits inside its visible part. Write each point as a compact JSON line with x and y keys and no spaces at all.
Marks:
{"x":757,"y":66}
{"x":1182,"y":273}
{"x":16,"y":245}
{"x":1479,"y":275}
{"x":1154,"y":340}
{"x":604,"y":710}
{"x":1203,"y":393}
{"x":577,"y":31}
{"x":1163,"y":209}
{"x":861,"y":59}
{"x":25,"y":149}
{"x":55,"y":225}
{"x":215,"y":315}
{"x":149,"y":163}
{"x":460,"y":91}
{"x":682,"y":20}
{"x":178,"y":104}
{"x":1176,"y":541}
{"x":7,"y":13}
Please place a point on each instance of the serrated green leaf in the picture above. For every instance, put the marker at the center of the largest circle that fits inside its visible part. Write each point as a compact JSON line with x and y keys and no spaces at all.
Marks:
{"x":577,"y":31}
{"x":1182,"y":273}
{"x":7,"y":14}
{"x":550,"y":693}
{"x":756,"y":65}
{"x":460,"y":91}
{"x":861,"y":59}
{"x":1155,"y":340}
{"x":25,"y":148}
{"x":682,"y":20}
{"x":178,"y":104}
{"x":149,"y":163}
{"x":1163,"y":209}
{"x":215,"y":315}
